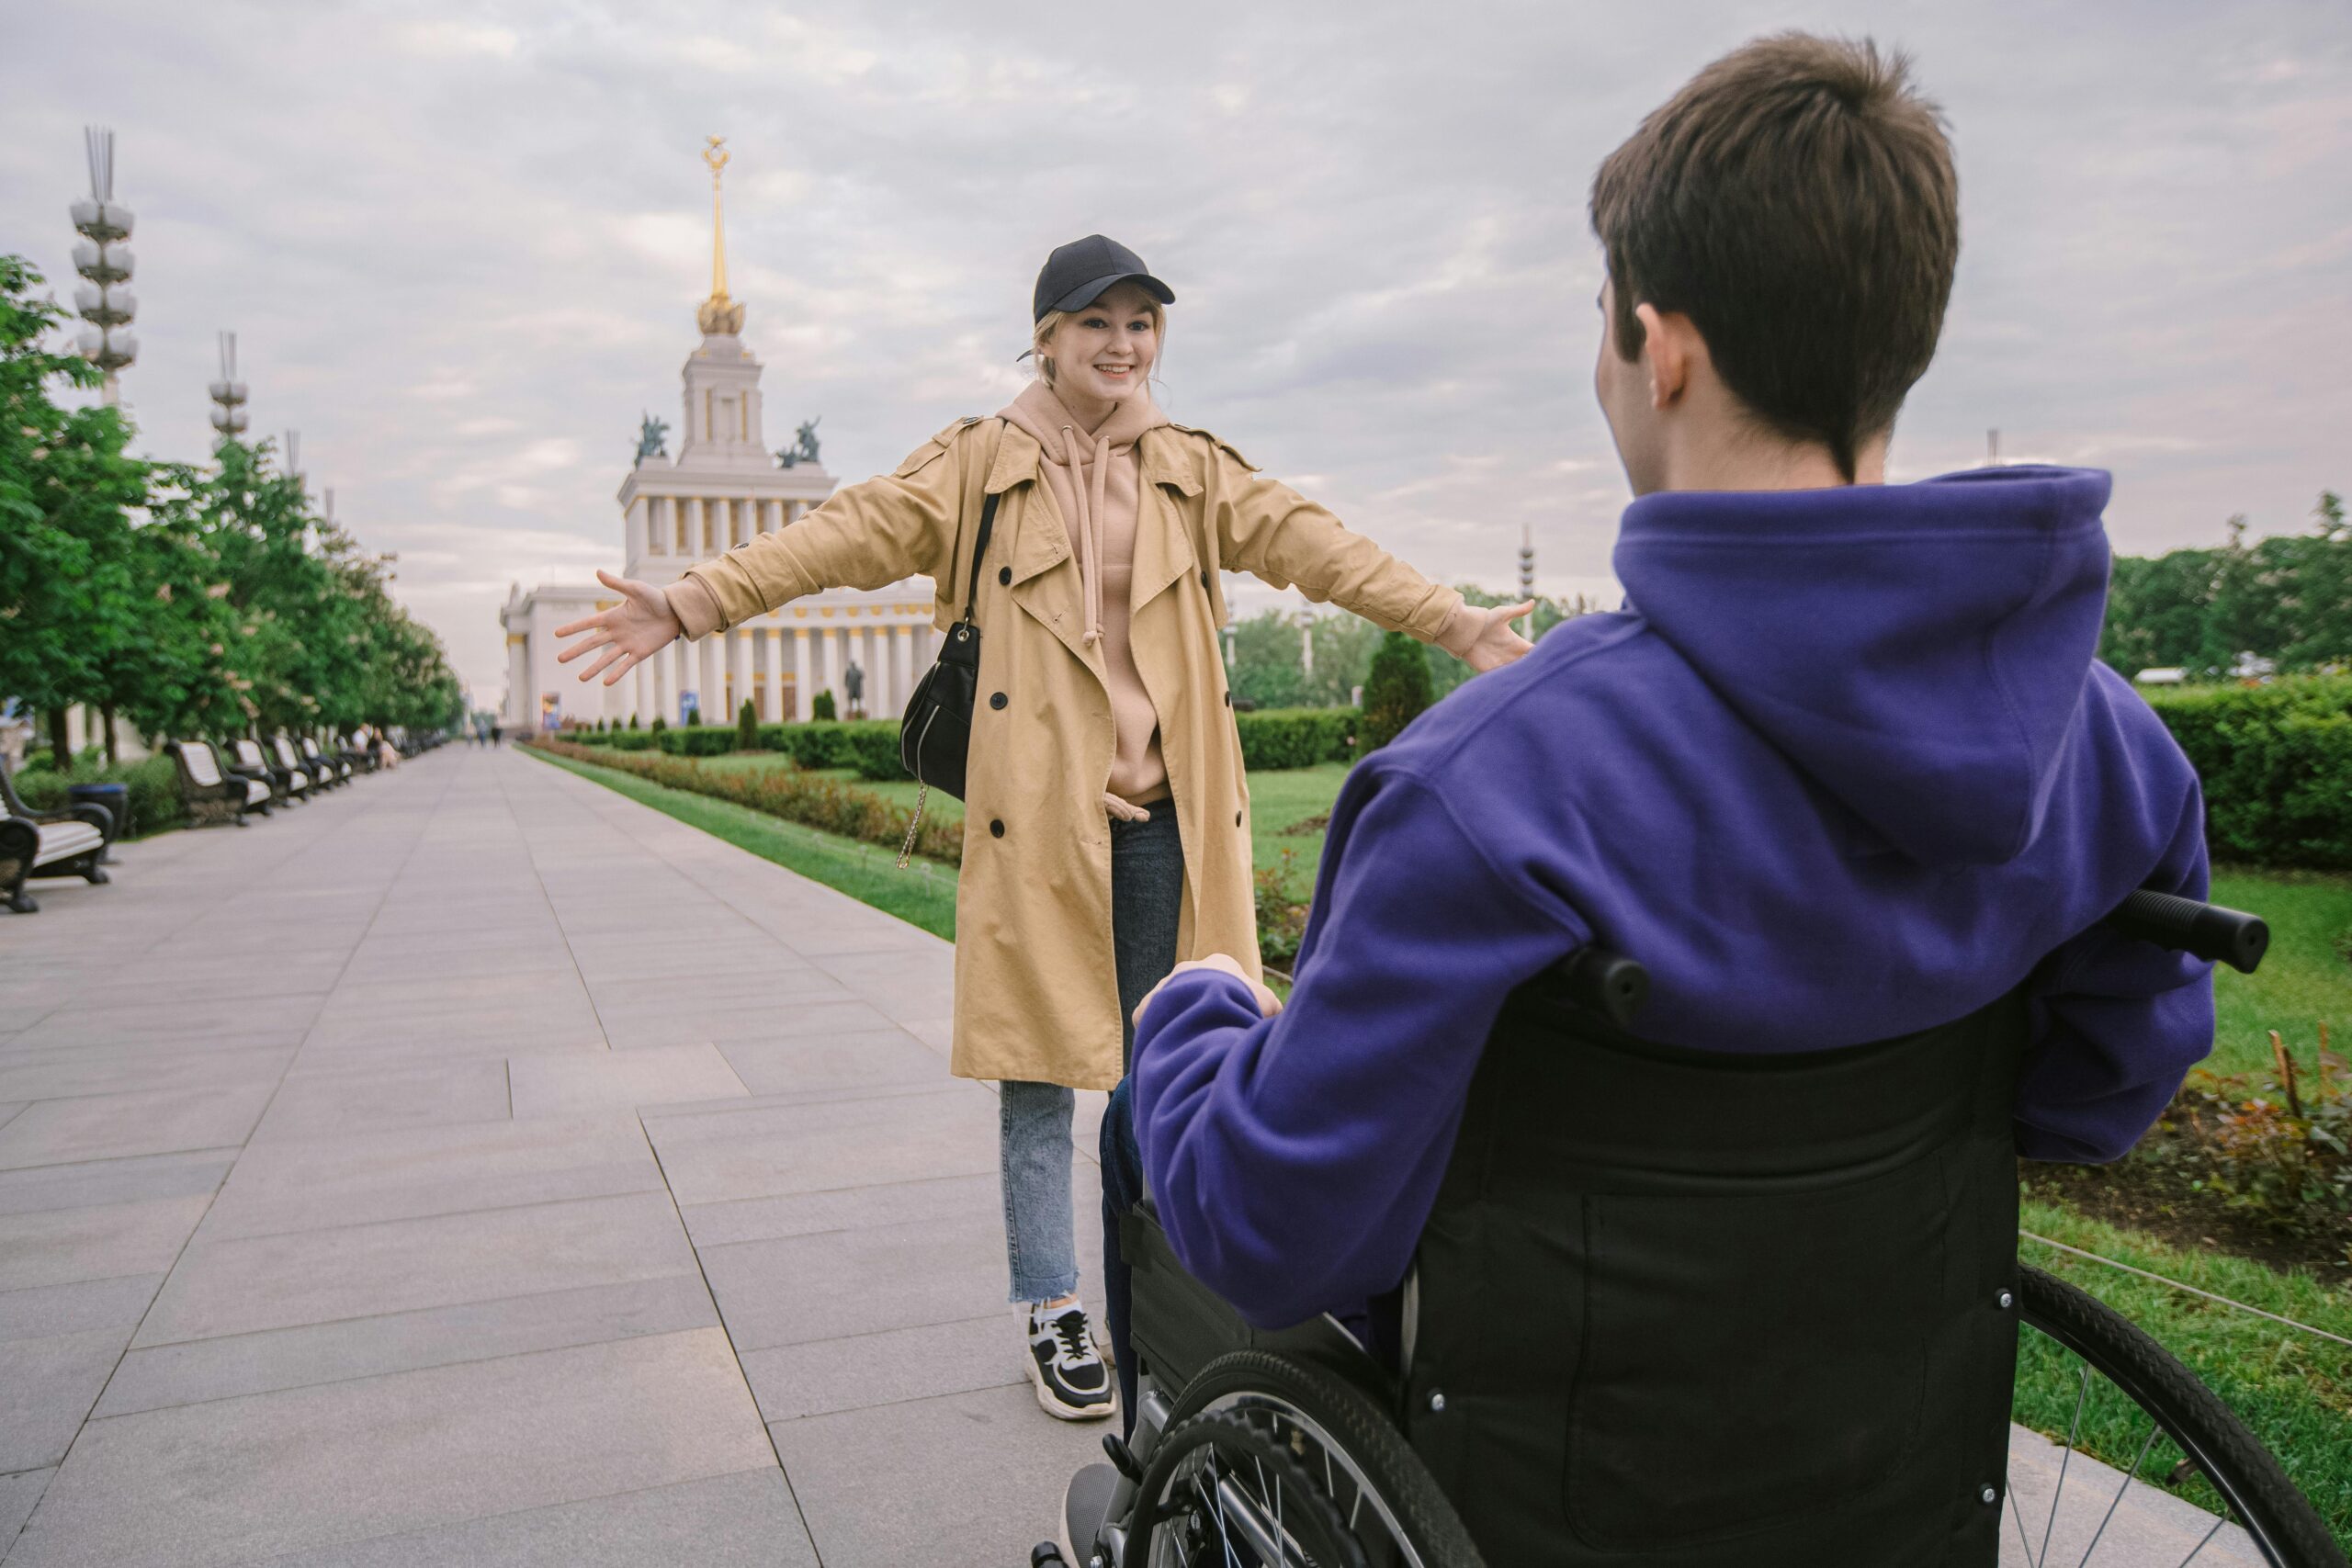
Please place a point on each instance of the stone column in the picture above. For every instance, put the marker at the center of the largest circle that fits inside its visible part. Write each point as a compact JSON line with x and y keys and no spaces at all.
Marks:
{"x":799,"y":674}
{"x":836,"y":656}
{"x":772,"y":663}
{"x":739,"y":664}
{"x":909,"y":671}
{"x":708,"y":691}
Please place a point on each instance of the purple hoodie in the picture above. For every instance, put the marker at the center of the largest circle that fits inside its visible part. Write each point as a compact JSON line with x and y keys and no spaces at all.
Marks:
{"x":1843,"y":768}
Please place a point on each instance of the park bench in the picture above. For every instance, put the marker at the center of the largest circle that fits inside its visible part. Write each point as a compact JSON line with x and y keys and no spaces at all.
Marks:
{"x":300,"y":779}
{"x":354,"y":751}
{"x":333,"y":770}
{"x":47,"y":843}
{"x":212,"y":793}
{"x":247,"y":759}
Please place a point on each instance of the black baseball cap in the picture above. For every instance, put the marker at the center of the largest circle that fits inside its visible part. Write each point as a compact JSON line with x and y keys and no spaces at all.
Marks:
{"x":1076,"y":274}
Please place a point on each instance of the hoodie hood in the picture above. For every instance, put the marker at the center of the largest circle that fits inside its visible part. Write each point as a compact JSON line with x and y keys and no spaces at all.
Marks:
{"x":1093,"y":474}
{"x":1918,"y":651}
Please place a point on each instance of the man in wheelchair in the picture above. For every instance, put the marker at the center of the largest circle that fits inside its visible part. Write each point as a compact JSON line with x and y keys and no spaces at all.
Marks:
{"x":1731,"y":1285}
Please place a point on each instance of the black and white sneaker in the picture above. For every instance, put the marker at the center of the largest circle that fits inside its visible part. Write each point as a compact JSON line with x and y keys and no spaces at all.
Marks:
{"x":1073,"y":1383}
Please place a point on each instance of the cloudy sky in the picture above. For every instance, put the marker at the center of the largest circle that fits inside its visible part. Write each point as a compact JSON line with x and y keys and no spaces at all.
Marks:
{"x":462,"y":244}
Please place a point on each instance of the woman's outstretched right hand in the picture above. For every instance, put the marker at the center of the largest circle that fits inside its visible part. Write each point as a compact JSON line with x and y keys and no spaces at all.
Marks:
{"x":632,"y":631}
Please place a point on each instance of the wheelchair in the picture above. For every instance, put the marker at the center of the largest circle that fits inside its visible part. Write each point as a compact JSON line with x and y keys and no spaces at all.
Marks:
{"x":1758,"y":1360}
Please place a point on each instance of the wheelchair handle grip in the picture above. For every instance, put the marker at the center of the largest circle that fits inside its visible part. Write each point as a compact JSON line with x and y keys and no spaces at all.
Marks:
{"x":2210,"y":932}
{"x":1602,"y":982}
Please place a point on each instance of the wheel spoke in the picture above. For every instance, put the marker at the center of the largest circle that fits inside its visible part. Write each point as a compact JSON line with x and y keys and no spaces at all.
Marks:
{"x":2081,"y":1397}
{"x":2200,"y":1545}
{"x":2153,"y":1433}
{"x":2017,"y":1512}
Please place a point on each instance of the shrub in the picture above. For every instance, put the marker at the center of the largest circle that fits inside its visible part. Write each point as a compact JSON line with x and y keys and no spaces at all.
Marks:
{"x":1396,"y":691}
{"x":2276,"y":765}
{"x":821,"y":708}
{"x":693,"y":717}
{"x":747,"y":728}
{"x":790,"y":793}
{"x":154,"y":789}
{"x":1296,"y":737}
{"x":2277,"y":1144}
{"x":632,"y":721}
{"x":1282,"y":919}
{"x":693,"y":740}
{"x":871,"y":746}
{"x":659,"y":724}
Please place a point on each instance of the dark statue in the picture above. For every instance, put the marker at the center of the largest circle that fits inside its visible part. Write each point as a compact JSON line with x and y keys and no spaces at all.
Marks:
{"x":806,"y":450}
{"x":652,"y":439}
{"x":853,"y":683}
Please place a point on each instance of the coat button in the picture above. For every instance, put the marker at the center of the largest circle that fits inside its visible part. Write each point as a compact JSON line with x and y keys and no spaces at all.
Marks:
{"x":1237,"y":819}
{"x":997,"y":701}
{"x":1228,"y":699}
{"x":1004,"y":575}
{"x":996,"y":829}
{"x":1205,"y":580}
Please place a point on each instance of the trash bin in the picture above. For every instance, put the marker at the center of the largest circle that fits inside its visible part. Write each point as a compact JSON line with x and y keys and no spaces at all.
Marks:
{"x":115,"y":798}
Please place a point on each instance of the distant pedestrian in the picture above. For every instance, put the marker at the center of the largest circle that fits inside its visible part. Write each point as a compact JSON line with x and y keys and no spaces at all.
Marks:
{"x":498,"y":735}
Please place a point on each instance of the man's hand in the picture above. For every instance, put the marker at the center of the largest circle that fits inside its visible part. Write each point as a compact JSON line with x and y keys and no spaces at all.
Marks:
{"x":634,"y":630}
{"x":1496,"y":643}
{"x":1267,"y":1003}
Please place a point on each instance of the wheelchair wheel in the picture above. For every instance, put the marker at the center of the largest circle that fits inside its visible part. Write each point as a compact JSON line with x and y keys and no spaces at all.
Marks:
{"x":1268,"y":1462}
{"x":2103,"y":1390}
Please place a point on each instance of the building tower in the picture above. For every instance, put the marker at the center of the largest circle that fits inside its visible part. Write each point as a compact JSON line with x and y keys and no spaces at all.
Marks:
{"x":722,"y":489}
{"x":105,"y":301}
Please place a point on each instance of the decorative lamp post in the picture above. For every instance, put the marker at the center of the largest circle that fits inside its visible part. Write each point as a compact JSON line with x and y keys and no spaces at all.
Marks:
{"x":228,"y":393}
{"x":1527,"y":571}
{"x":105,"y":301}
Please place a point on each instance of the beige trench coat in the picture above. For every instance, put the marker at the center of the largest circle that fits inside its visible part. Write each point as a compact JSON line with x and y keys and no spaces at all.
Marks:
{"x":1036,"y":989}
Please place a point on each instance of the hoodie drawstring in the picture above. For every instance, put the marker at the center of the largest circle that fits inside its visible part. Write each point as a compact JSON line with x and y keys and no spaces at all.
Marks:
{"x":1090,"y":464}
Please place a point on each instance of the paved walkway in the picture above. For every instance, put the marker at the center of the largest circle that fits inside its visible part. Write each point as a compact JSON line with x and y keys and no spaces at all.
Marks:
{"x":474,"y":1166}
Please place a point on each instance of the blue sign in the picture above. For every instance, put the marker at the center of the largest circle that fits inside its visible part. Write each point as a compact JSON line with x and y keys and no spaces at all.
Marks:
{"x":688,"y":703}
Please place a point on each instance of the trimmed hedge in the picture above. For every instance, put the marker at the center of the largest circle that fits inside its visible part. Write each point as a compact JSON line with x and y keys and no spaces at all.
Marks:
{"x":154,"y":791}
{"x":792,"y":793}
{"x":1296,"y":737}
{"x":2277,"y":762}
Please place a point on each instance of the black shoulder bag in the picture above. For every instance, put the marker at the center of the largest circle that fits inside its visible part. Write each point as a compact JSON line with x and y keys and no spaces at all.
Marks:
{"x":935,"y":736}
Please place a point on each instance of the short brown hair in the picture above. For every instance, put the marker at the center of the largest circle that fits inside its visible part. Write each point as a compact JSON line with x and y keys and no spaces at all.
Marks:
{"x":1796,"y":199}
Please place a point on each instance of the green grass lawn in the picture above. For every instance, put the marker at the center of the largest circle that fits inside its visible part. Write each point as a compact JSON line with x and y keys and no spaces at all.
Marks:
{"x":2292,"y":1390}
{"x":2304,"y":981}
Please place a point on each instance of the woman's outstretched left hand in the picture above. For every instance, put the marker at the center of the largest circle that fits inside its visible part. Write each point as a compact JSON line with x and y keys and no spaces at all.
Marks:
{"x":1496,"y":643}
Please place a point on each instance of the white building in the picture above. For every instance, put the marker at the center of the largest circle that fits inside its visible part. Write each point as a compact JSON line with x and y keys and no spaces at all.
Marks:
{"x":723,"y":487}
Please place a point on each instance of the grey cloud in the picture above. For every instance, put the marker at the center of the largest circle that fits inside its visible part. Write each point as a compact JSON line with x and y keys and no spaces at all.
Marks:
{"x":462,"y":244}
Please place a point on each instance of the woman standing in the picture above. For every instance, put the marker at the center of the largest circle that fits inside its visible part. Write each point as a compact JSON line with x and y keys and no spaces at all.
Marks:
{"x":1106,"y":821}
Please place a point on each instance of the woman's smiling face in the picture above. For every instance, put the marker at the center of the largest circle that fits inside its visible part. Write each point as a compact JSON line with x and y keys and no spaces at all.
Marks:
{"x":1103,"y":352}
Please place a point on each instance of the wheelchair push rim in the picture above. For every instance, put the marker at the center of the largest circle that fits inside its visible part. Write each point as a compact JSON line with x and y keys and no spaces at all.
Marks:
{"x":2127,"y":1402}
{"x":1312,"y":1473}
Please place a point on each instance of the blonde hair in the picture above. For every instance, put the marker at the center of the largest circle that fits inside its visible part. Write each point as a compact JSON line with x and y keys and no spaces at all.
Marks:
{"x":1043,"y":337}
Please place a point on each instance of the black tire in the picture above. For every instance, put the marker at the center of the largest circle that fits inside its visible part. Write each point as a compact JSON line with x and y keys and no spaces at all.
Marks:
{"x":2262,"y":1499}
{"x":1354,"y":1431}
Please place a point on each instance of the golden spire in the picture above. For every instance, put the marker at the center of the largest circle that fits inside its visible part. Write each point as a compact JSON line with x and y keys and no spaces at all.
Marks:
{"x":718,"y":313}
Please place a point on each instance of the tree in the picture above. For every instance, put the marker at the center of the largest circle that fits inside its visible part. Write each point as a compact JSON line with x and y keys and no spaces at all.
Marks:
{"x":823,"y":707}
{"x":747,"y":728}
{"x":67,"y":489}
{"x":1396,"y":691}
{"x":2286,"y":599}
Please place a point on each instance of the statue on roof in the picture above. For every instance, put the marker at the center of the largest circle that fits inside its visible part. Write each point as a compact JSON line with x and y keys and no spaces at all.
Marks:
{"x":805,"y":451}
{"x":652,"y":438}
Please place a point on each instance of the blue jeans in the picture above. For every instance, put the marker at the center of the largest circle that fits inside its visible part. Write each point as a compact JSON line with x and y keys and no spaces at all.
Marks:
{"x":1147,"y":901}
